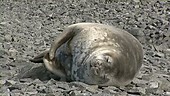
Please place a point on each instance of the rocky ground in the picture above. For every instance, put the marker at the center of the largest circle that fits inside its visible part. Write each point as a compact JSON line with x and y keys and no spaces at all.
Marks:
{"x":27,"y":27}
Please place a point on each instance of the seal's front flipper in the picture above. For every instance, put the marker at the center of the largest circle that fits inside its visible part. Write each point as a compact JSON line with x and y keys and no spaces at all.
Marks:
{"x":54,"y":67}
{"x":39,"y":58}
{"x":68,"y":34}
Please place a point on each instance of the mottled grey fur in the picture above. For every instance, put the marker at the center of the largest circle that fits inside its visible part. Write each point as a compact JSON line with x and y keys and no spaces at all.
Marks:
{"x":95,"y":54}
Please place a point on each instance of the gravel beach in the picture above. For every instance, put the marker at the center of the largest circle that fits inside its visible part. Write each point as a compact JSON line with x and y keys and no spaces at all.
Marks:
{"x":28,"y":27}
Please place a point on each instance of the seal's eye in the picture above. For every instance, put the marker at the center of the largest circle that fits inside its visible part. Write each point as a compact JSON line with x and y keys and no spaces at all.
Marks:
{"x":103,"y":59}
{"x":108,"y":59}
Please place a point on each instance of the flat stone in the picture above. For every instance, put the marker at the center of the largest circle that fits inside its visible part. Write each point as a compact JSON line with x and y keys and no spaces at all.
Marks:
{"x":8,"y":37}
{"x":136,"y":0}
{"x":167,"y":93}
{"x":153,"y":84}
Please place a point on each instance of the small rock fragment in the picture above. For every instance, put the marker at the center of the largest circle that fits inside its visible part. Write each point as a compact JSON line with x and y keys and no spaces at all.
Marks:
{"x":8,"y":38}
{"x":153,"y":84}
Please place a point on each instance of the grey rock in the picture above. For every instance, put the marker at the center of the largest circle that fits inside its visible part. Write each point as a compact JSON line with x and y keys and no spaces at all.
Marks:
{"x":2,"y":82}
{"x":12,"y":82}
{"x":1,"y":39}
{"x":167,"y":93}
{"x":140,"y":83}
{"x":136,"y":32}
{"x":63,"y":85}
{"x":8,"y":38}
{"x":153,"y":84}
{"x":152,"y":91}
{"x":6,"y":45}
{"x":37,"y":81}
{"x":111,"y":90}
{"x":136,"y":0}
{"x":165,"y":85}
{"x":79,"y":93}
{"x":83,"y":86}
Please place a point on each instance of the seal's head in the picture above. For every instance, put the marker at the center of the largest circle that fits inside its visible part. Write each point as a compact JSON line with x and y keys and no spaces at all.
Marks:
{"x":101,"y":67}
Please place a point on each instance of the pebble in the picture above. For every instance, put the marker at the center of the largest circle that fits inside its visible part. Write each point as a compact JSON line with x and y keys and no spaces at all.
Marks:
{"x":167,"y":93}
{"x":8,"y":38}
{"x":2,"y":82}
{"x":136,"y":0}
{"x":159,"y":54}
{"x":153,"y":84}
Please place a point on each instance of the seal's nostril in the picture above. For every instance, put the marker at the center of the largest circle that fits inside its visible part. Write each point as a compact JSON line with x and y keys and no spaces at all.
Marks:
{"x":99,"y":62}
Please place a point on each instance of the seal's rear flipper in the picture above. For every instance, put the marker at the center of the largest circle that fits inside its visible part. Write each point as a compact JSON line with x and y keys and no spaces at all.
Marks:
{"x":51,"y":65}
{"x":39,"y":58}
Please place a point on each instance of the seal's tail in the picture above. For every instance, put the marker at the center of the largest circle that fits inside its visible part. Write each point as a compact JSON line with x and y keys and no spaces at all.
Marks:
{"x":39,"y":58}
